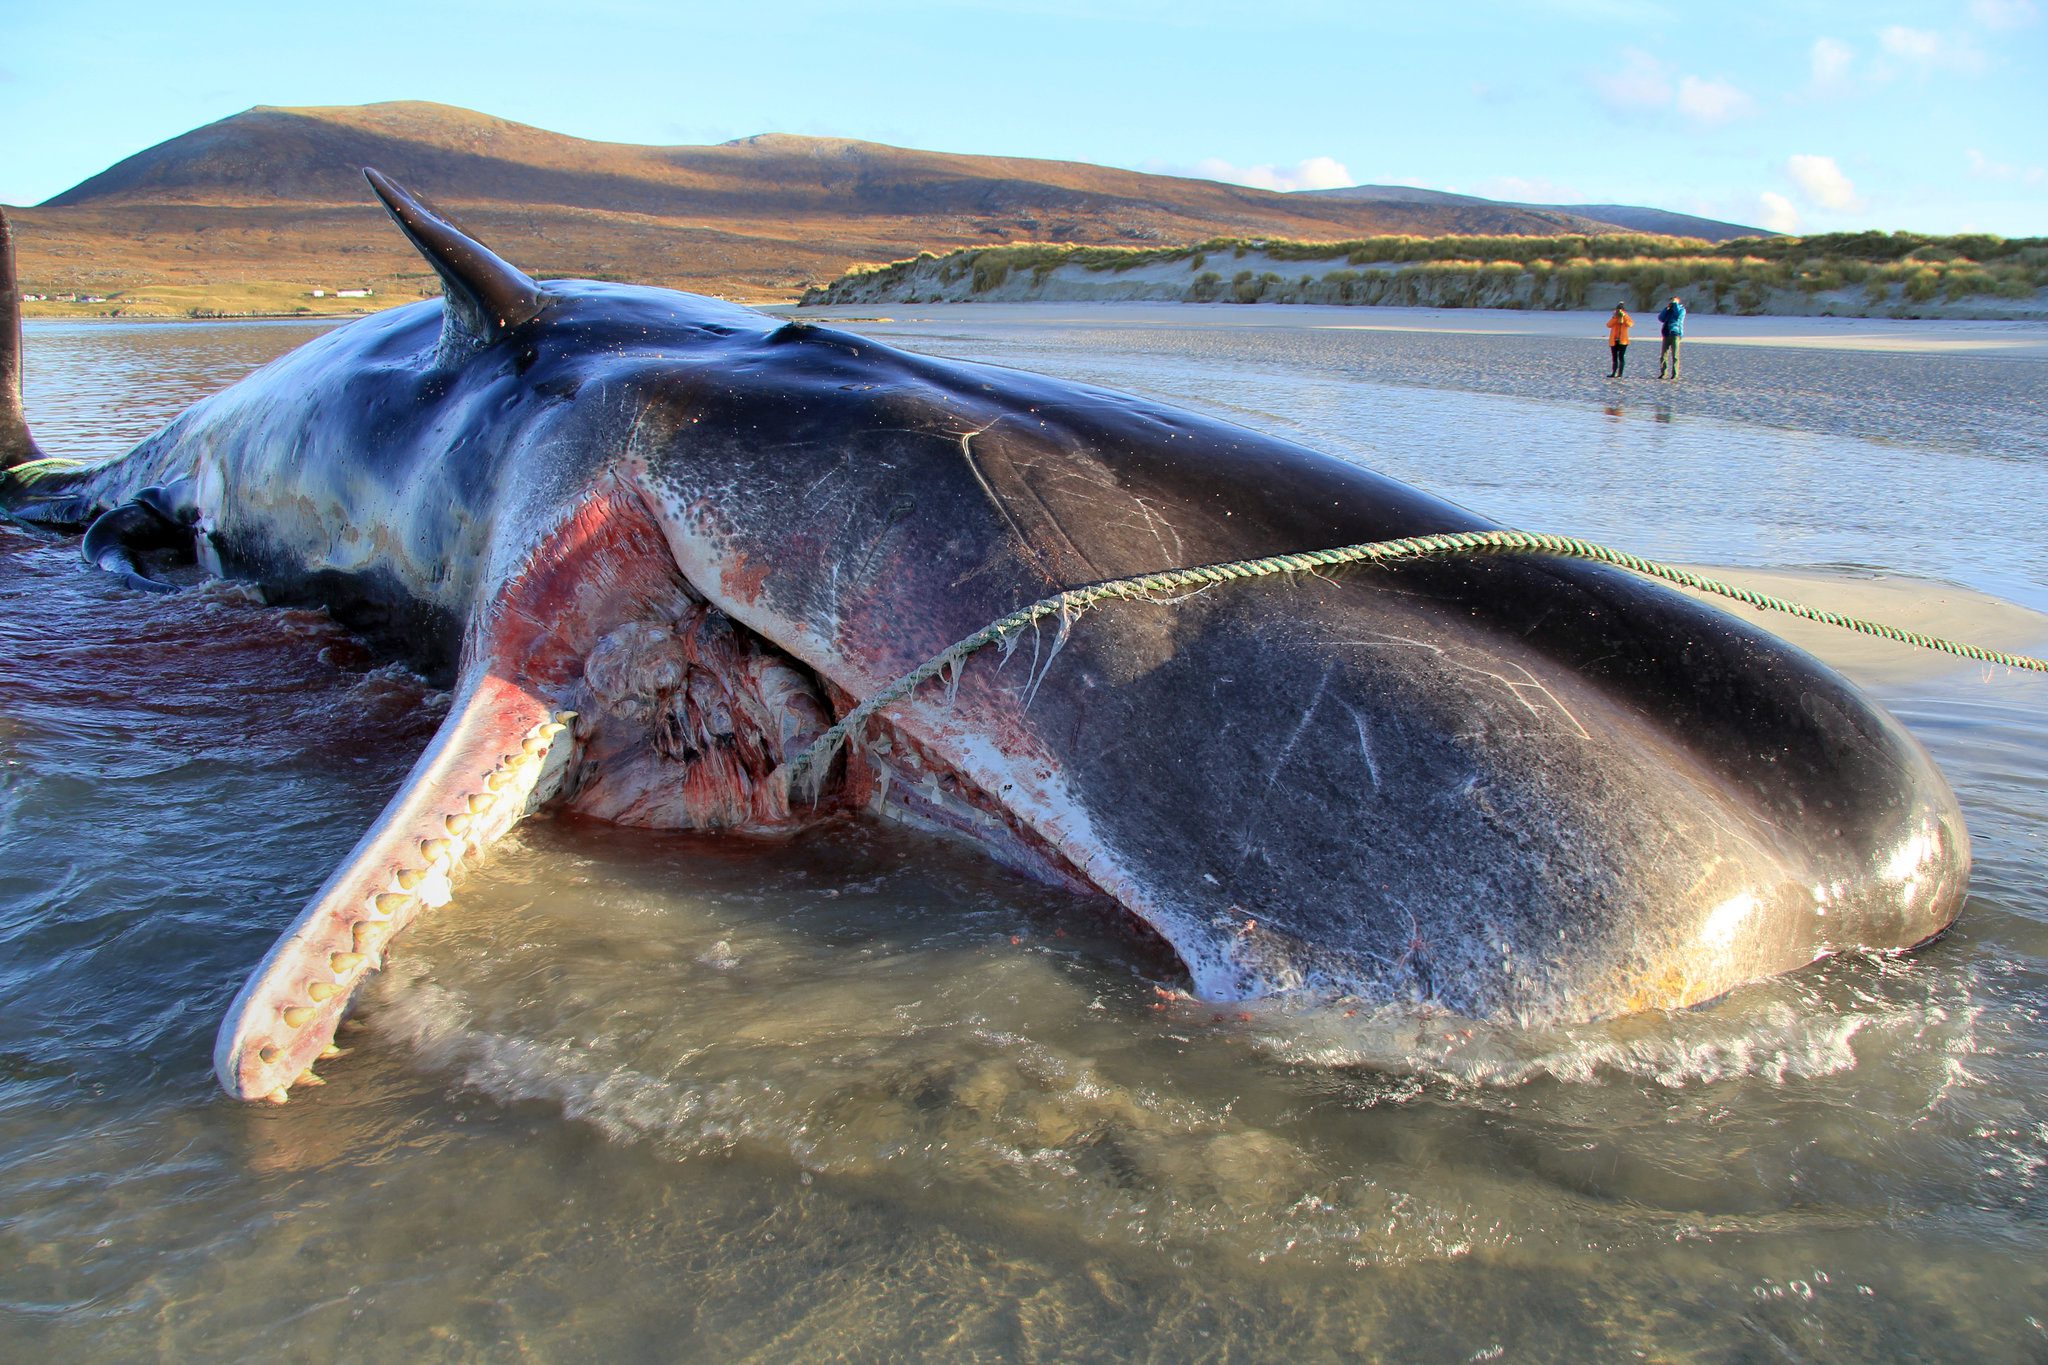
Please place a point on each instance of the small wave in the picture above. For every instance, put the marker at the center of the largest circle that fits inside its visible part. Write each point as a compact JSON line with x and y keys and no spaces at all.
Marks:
{"x":1793,"y":1033}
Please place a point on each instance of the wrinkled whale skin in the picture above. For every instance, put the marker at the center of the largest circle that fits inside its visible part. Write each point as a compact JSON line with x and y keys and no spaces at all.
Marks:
{"x":1511,"y":787}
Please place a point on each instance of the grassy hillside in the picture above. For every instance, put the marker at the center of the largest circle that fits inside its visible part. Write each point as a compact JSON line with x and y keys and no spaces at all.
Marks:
{"x":258,"y":210}
{"x":1869,"y":272}
{"x":1570,"y":218}
{"x":266,"y":212}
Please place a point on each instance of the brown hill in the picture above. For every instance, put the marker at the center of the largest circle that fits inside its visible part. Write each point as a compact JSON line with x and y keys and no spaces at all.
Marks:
{"x":269,"y":203}
{"x":1572,"y":217}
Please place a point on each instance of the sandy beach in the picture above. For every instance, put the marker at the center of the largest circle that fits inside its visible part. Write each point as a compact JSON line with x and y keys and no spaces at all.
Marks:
{"x":2014,"y":340}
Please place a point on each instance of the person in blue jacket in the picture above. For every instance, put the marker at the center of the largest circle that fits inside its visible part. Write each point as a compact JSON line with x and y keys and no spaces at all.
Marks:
{"x":1672,"y":319}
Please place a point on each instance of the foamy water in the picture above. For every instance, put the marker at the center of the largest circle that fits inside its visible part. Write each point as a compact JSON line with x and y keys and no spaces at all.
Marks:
{"x":861,"y":1093}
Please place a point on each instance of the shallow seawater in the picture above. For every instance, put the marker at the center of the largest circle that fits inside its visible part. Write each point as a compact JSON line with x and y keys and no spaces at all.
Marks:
{"x":862,"y":1094}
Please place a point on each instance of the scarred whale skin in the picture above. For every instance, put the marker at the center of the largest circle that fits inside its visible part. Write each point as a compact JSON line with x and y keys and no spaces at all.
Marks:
{"x":1512,"y":788}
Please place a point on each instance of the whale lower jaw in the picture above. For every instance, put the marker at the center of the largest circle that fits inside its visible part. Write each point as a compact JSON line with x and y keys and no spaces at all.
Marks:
{"x":600,"y":681}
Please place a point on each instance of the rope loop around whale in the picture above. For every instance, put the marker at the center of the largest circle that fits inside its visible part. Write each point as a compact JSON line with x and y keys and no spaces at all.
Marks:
{"x":1072,"y":601}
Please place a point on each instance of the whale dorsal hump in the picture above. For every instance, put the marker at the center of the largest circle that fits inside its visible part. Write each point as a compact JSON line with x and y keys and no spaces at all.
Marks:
{"x":486,"y":296}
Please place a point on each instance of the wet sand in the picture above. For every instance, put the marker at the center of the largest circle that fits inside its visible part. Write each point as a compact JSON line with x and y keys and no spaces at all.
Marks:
{"x":1939,"y":609}
{"x":2027,"y":340}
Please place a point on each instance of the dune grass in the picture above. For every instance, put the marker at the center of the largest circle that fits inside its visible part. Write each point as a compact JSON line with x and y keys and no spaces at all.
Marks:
{"x":1578,"y":271}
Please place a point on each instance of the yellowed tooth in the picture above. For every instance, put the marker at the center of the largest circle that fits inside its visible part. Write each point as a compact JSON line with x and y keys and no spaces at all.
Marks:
{"x":406,"y":878}
{"x":322,"y":991}
{"x":366,"y":933}
{"x":391,"y":902}
{"x":277,"y":1096}
{"x":564,"y":717}
{"x":497,"y":780}
{"x":307,"y":1077}
{"x":534,"y":747}
{"x":298,"y":1016}
{"x":333,"y":1050}
{"x":481,"y":803}
{"x":551,"y":729}
{"x":269,"y":1053}
{"x":343,"y":963}
{"x":457,"y":824}
{"x":434,"y":850}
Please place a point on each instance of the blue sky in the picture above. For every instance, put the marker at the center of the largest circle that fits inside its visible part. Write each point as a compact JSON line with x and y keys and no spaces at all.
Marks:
{"x":1806,"y":115}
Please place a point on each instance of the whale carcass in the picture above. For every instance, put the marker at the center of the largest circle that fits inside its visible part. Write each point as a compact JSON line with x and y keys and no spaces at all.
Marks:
{"x":656,"y":543}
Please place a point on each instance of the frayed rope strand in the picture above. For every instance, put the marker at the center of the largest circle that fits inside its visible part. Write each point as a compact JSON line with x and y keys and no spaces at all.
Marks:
{"x":1076,"y":600}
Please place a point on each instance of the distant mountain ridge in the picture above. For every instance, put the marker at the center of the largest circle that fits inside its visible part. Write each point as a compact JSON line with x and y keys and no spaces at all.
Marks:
{"x":271,"y":200}
{"x":1570,"y":217}
{"x":271,"y":155}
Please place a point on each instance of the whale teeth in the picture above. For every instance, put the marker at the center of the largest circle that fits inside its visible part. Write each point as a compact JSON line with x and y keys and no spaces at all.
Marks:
{"x":457,"y":824}
{"x":269,"y":1053}
{"x":341,"y":964}
{"x":333,"y":1050}
{"x":307,"y":1077}
{"x":391,"y":902}
{"x":551,"y":729}
{"x":277,"y":1096}
{"x":534,"y":747}
{"x":434,"y":850}
{"x":481,"y":803}
{"x":367,"y":933}
{"x":322,"y":991}
{"x":298,"y":1016}
{"x":405,"y":879}
{"x":497,"y":780}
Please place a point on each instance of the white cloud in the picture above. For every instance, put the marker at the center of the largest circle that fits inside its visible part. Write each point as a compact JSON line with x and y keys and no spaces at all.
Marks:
{"x":1711,"y":103}
{"x":1927,"y":50}
{"x":1639,"y":82}
{"x":1983,"y":167}
{"x":1914,"y":44}
{"x":1830,"y":60}
{"x":1822,"y":183}
{"x":2003,"y":14}
{"x":1777,"y":213}
{"x":1314,"y":173}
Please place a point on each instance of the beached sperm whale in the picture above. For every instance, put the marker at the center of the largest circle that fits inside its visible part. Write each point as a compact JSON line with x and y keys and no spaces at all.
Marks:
{"x":657,"y":543}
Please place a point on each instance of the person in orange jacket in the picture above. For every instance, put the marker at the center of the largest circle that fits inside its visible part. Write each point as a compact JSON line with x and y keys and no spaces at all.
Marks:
{"x":1617,"y":340}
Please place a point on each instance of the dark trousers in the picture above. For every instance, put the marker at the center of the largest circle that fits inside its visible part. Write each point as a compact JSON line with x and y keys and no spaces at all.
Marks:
{"x":1669,"y":355}
{"x":1620,"y":349}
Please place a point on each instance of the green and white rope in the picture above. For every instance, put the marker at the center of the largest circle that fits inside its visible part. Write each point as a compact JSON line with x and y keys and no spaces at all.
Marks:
{"x":1075,"y":600}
